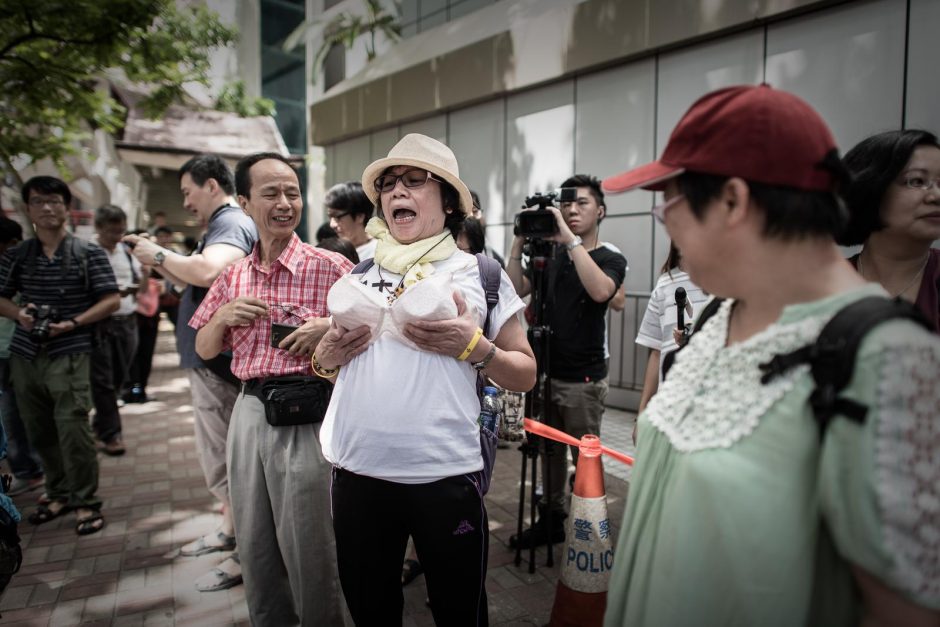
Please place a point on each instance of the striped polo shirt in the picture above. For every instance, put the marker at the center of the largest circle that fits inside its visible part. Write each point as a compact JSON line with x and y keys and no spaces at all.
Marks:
{"x":47,"y":283}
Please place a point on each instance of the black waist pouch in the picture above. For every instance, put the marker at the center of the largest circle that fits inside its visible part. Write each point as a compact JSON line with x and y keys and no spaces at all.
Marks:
{"x":291,"y":401}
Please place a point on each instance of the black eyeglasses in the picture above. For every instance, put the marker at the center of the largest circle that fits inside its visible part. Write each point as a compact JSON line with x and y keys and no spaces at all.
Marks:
{"x":415,"y":177}
{"x":37,"y":202}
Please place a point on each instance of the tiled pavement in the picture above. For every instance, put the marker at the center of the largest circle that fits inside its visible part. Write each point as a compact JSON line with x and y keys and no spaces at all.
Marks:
{"x":155,"y":500}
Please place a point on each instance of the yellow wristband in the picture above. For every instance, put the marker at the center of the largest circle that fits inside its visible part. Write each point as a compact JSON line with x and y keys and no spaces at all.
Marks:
{"x":473,"y":344}
{"x":320,"y":371}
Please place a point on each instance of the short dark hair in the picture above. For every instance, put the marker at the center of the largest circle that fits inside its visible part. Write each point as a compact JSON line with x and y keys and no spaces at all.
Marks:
{"x":476,"y":201}
{"x":789,"y":213}
{"x":243,"y":170}
{"x":47,"y":185}
{"x":201,"y":168}
{"x":109,"y":214}
{"x":9,"y":230}
{"x":874,"y":163}
{"x":350,"y":198}
{"x":163,"y":229}
{"x":586,"y":180}
{"x":325,"y":232}
{"x":473,"y":231}
{"x":450,"y":199}
{"x":341,"y":246}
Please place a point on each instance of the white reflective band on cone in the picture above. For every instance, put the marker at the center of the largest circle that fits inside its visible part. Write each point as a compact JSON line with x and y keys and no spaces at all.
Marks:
{"x":589,"y":554}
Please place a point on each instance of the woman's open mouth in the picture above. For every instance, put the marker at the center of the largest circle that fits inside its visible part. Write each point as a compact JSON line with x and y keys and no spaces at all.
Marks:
{"x":403,"y":216}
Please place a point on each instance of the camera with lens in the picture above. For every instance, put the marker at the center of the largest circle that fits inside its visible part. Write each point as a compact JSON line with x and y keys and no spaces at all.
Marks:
{"x":541,"y":223}
{"x":43,"y":316}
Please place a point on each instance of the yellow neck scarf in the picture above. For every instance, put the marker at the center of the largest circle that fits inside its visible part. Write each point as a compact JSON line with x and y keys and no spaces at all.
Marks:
{"x":404,"y":258}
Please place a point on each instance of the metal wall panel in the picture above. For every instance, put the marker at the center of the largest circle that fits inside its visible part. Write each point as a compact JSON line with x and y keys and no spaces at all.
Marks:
{"x":923,"y":88}
{"x":478,"y":138}
{"x":847,"y":63}
{"x":614,"y":131}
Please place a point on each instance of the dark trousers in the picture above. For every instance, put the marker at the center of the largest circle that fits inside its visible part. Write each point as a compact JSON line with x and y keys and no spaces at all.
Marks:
{"x":114,"y":346}
{"x":146,"y":342}
{"x":53,"y":397}
{"x":372,"y":520}
{"x":24,"y":460}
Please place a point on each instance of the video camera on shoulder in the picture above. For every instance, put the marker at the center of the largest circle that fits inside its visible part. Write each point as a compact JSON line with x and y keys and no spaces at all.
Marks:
{"x":43,"y":315}
{"x":541,"y":223}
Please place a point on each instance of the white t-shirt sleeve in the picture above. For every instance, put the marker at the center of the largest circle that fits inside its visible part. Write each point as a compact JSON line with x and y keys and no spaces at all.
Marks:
{"x":650,"y":334}
{"x":508,"y":306}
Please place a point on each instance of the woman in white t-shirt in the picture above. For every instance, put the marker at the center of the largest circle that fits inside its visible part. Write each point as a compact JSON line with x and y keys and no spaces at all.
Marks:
{"x":658,"y":331}
{"x":401,"y":430}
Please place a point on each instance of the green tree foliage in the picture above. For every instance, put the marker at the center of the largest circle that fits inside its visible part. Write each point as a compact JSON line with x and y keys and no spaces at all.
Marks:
{"x":345,"y":28}
{"x":234,"y":99}
{"x":55,"y":53}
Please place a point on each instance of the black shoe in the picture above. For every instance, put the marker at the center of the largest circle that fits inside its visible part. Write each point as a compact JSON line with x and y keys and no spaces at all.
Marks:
{"x":538,"y":534}
{"x":135,"y":395}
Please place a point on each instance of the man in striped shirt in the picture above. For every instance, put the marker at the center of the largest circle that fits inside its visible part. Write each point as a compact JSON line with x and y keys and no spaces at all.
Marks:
{"x":278,"y":478}
{"x":65,"y":285}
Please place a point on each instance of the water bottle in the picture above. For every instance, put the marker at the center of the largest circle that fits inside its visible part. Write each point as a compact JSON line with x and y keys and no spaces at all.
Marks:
{"x":490,"y":410}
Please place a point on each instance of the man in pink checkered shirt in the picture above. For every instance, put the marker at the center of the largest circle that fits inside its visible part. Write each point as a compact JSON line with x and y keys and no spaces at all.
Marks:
{"x":279,"y":480}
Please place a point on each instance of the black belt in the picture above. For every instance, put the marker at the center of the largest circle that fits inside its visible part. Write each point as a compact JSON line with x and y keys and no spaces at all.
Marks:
{"x":124,"y":318}
{"x":253,"y":387}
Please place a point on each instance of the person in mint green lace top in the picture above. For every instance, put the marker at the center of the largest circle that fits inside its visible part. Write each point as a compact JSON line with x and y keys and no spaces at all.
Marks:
{"x":742,"y":510}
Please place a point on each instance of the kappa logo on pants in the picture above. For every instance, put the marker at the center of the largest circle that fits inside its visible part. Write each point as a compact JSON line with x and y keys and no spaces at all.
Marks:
{"x":463,"y":527}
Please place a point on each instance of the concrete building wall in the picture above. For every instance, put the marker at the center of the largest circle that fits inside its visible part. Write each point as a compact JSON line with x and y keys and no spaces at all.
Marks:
{"x":570,"y":105}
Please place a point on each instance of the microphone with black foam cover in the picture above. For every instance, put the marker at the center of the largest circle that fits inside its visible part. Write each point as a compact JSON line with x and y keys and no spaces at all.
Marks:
{"x":680,"y":308}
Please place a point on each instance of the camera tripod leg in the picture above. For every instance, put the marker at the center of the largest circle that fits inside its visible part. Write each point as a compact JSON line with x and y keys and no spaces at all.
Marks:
{"x":532,"y":512}
{"x":525,"y":459}
{"x":550,"y":448}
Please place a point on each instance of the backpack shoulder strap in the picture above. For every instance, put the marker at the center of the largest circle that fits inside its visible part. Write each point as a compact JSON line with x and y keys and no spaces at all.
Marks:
{"x":363,"y":266}
{"x":79,"y":250}
{"x":708,"y":311}
{"x":832,"y":357}
{"x":490,"y":276}
{"x":27,"y":254}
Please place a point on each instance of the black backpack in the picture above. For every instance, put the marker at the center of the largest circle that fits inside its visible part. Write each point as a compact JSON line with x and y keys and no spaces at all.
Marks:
{"x":832,"y":356}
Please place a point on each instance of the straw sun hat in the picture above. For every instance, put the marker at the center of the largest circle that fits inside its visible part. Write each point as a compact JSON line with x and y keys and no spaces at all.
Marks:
{"x":419,"y":151}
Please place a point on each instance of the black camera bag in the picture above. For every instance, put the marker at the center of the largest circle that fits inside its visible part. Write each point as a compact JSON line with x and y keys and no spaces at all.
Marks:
{"x":295,"y":400}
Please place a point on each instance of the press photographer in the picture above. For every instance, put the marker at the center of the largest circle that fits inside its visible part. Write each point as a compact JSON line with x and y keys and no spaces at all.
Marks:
{"x":582,"y":276}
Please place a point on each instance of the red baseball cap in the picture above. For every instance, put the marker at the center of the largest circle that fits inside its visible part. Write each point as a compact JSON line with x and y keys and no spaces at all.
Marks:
{"x":757,"y":133}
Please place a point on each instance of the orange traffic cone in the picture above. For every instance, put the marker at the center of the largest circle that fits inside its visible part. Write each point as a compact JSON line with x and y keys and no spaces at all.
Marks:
{"x":581,"y":595}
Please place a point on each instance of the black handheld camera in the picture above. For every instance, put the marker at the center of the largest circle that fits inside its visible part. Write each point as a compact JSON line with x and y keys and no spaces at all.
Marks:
{"x":43,"y":316}
{"x":541,"y":223}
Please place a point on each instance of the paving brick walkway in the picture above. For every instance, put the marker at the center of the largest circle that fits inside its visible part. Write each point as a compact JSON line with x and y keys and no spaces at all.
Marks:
{"x":155,"y":500}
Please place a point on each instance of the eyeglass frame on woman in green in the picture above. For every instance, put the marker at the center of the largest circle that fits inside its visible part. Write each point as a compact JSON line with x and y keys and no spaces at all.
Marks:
{"x":659,"y":210}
